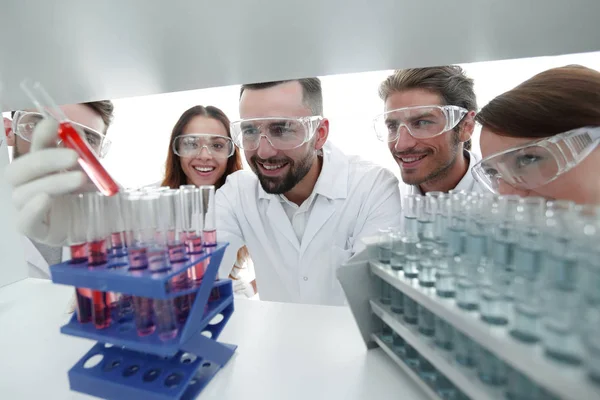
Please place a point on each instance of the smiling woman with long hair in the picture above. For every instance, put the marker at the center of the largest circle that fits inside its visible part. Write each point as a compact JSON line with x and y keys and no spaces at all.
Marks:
{"x":201,"y":152}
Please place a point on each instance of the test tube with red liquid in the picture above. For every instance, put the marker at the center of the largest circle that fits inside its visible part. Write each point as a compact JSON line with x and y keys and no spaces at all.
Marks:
{"x":77,"y":240}
{"x":117,"y":246}
{"x":97,"y":237}
{"x":72,"y":138}
{"x":209,"y":230}
{"x":191,"y":213}
{"x":169,"y":207}
{"x":138,"y":257}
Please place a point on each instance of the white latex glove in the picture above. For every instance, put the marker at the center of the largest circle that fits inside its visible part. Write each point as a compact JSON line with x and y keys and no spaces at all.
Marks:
{"x":39,"y":180}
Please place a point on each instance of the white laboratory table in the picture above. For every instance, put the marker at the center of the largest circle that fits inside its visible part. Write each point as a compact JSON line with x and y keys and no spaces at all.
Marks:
{"x":286,"y":351}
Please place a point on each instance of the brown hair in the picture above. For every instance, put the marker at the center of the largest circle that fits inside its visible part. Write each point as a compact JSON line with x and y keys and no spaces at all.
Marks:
{"x":312,"y":93}
{"x":552,"y":102}
{"x":450,"y":82}
{"x":174,"y":175}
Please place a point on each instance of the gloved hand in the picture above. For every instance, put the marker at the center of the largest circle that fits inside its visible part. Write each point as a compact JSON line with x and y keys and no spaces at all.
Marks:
{"x":40,"y":181}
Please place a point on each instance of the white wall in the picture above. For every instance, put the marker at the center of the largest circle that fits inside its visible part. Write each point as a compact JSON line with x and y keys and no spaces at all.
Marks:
{"x":142,"y":125}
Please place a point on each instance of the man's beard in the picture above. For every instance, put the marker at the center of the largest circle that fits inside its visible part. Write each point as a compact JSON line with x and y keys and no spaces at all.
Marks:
{"x":279,"y":185}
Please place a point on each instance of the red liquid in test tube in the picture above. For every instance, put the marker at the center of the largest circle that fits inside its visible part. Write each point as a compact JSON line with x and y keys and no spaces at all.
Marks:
{"x":79,"y":253}
{"x":84,"y":305}
{"x":88,"y":161}
{"x":101,"y":309}
{"x":97,"y":253}
{"x":210,"y":237}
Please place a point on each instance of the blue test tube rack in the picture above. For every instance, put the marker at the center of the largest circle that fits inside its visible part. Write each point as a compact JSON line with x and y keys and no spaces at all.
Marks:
{"x":134,"y":367}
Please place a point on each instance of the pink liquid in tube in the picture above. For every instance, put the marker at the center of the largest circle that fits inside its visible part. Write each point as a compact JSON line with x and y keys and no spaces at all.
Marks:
{"x":100,"y":309}
{"x":97,"y":252}
{"x":210,"y":237}
{"x":79,"y":253}
{"x":84,"y":305}
{"x":88,"y":161}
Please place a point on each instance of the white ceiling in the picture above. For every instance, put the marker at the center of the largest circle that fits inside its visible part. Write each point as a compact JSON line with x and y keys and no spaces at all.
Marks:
{"x":85,"y":50}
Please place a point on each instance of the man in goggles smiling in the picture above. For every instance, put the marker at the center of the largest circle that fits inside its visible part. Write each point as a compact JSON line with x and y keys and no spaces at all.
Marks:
{"x":305,"y":207}
{"x":427,"y":124}
{"x":92,"y":121}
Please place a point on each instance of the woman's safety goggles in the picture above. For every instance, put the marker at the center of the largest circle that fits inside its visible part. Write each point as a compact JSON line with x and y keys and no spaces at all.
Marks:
{"x":421,"y":122}
{"x":281,"y":133}
{"x":537,"y":163}
{"x":24,"y":123}
{"x":191,"y":145}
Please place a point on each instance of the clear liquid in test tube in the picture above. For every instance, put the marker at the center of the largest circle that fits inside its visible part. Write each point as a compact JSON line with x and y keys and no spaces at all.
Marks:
{"x":411,"y":236}
{"x":117,"y":246}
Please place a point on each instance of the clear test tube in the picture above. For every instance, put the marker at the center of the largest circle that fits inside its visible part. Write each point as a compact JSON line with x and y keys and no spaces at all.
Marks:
{"x":77,"y":240}
{"x":426,"y":215}
{"x":526,"y":265}
{"x":411,"y":236}
{"x":427,"y":267}
{"x":426,"y":321}
{"x":152,"y":232}
{"x":97,"y":236}
{"x":169,"y":206}
{"x":191,"y":219}
{"x":137,"y":250}
{"x":564,"y":292}
{"x":154,"y":229}
{"x":384,"y":245}
{"x":398,"y":255}
{"x":117,"y":245}
{"x":209,"y":230}
{"x":385,"y":292}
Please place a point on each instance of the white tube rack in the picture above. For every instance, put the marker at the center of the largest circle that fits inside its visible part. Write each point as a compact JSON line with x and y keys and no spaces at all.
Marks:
{"x":564,"y":381}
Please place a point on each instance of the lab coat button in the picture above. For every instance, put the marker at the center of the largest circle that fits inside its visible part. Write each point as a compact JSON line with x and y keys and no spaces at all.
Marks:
{"x":305,"y":278}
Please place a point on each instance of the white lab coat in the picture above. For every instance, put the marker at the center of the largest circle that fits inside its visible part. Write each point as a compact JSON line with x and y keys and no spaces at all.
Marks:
{"x":37,"y":266}
{"x":353,"y":199}
{"x":468,"y":182}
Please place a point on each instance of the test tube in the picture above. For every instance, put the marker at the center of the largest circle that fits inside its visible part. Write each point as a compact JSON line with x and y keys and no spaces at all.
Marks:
{"x":77,"y":232}
{"x":398,"y":344}
{"x":397,"y":304}
{"x":474,"y":251}
{"x":191,"y":211}
{"x":491,"y":369}
{"x":493,"y":306}
{"x":77,"y":238}
{"x":427,"y":267}
{"x":398,"y":256}
{"x":564,"y":291}
{"x":385,"y":292}
{"x":464,"y":349}
{"x":71,"y":137}
{"x":426,"y":321}
{"x":384,"y":246}
{"x":97,"y":236}
{"x":137,"y":251}
{"x":427,"y":372}
{"x":526,"y":266}
{"x":117,"y":246}
{"x":169,"y":207}
{"x":444,"y":333}
{"x":426,"y":213}
{"x":410,"y":309}
{"x":152,"y":231}
{"x":209,"y":230}
{"x":411,"y":236}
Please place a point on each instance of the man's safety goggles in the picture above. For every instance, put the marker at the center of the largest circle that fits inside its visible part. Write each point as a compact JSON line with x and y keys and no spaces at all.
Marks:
{"x":281,"y":133}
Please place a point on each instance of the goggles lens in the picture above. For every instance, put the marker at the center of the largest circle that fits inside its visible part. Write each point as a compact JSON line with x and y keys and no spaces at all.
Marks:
{"x":192,"y":145}
{"x":421,"y":122}
{"x":24,"y":124}
{"x":281,"y":133}
{"x":537,"y":163}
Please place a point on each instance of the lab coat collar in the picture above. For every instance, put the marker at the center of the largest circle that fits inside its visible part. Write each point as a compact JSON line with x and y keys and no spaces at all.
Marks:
{"x":333,"y":179}
{"x":467,"y":183}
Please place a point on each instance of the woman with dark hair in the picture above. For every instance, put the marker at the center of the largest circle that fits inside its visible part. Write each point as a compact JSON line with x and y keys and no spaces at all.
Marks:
{"x":202,"y":153}
{"x":541,"y":138}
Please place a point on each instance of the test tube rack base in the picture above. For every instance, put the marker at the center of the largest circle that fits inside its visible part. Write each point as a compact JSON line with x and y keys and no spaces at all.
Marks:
{"x":123,"y":365}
